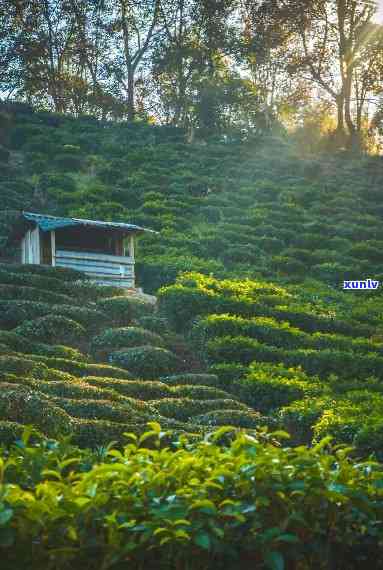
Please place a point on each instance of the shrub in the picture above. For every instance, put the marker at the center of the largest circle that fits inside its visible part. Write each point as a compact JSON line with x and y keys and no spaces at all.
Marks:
{"x":155,"y":324}
{"x":123,"y":310}
{"x":356,"y":419}
{"x":22,"y":366}
{"x":64,"y":274}
{"x":370,"y":250}
{"x":162,"y":270}
{"x":139,"y":389}
{"x":52,"y":328}
{"x":264,"y":329}
{"x":75,"y":390}
{"x":112,"y":339}
{"x":81,"y":368}
{"x":186,"y":409}
{"x":287,"y":265}
{"x":124,"y":389}
{"x":10,"y":432}
{"x":321,"y":362}
{"x":146,"y":361}
{"x":16,"y":342}
{"x":300,"y":417}
{"x":60,"y":351}
{"x":13,"y":313}
{"x":71,"y":162}
{"x":226,"y":520}
{"x":102,"y":369}
{"x":93,"y":433}
{"x":191,"y":380}
{"x":228,"y":372}
{"x":26,"y":293}
{"x":100,"y":410}
{"x":19,"y":404}
{"x":269,"y":387}
{"x":240,"y":349}
{"x":199,"y":392}
{"x":232,"y":417}
{"x":88,"y":318}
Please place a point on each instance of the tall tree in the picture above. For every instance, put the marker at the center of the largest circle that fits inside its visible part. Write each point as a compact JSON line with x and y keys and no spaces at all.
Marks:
{"x":326,"y":41}
{"x":131,"y":29}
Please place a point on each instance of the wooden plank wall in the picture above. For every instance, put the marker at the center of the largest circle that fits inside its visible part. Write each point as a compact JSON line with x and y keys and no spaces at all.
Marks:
{"x":103,"y":269}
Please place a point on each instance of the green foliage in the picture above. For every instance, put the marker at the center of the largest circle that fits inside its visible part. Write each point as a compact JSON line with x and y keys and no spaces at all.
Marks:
{"x":146,"y":361}
{"x":138,"y":389}
{"x":269,"y":387}
{"x":53,"y":328}
{"x":232,"y":417}
{"x":228,"y":372}
{"x":164,"y":269}
{"x":21,"y":405}
{"x":123,"y":310}
{"x":187,"y":409}
{"x":22,"y":366}
{"x":190,"y":379}
{"x":216,"y":515}
{"x":259,"y":316}
{"x":111,"y":339}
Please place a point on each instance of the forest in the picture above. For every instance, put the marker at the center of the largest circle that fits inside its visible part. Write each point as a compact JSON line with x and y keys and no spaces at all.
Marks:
{"x":238,"y":420}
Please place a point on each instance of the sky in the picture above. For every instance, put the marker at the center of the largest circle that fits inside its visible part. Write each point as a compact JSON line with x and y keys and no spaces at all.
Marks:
{"x":379,"y":15}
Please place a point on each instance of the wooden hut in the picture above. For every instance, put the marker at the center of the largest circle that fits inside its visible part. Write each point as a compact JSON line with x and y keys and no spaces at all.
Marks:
{"x":102,"y":250}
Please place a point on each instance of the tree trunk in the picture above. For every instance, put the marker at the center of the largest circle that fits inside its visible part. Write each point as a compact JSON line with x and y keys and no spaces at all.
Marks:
{"x":130,"y":89}
{"x":340,"y":133}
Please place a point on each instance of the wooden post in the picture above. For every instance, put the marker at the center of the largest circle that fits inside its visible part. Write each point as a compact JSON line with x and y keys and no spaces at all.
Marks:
{"x":131,"y":246}
{"x":35,"y":246}
{"x":53,"y":245}
{"x":23,"y":255}
{"x":28,"y":247}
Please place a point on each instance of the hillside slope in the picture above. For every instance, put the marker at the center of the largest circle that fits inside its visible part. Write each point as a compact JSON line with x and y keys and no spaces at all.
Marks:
{"x":84,"y":360}
{"x":266,"y":238}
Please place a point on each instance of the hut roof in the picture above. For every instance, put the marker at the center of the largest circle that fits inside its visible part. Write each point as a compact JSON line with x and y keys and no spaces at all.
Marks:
{"x":48,"y":223}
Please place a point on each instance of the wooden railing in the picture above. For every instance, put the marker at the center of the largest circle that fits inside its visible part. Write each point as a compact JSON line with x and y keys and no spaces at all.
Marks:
{"x":101,"y":268}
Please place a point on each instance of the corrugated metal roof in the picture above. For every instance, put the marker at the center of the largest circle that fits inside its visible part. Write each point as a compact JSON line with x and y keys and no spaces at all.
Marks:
{"x":48,"y":223}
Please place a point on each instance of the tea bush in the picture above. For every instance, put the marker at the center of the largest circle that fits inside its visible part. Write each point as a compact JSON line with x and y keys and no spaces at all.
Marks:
{"x":52,"y":328}
{"x":232,"y":417}
{"x":299,"y":417}
{"x":76,"y":390}
{"x":80,"y":368}
{"x":22,"y":366}
{"x":27,"y":293}
{"x":111,"y":339}
{"x":13,"y":313}
{"x":139,"y":389}
{"x":192,"y":379}
{"x":186,"y":409}
{"x":60,"y":351}
{"x":228,"y":372}
{"x":199,"y":392}
{"x":123,"y":310}
{"x":100,"y":410}
{"x":21,"y":405}
{"x":216,"y":516}
{"x":154,"y":323}
{"x":16,"y":342}
{"x":269,"y":387}
{"x":146,"y":361}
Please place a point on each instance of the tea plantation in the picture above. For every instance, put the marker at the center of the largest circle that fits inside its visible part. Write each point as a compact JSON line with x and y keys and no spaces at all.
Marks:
{"x":252,"y":336}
